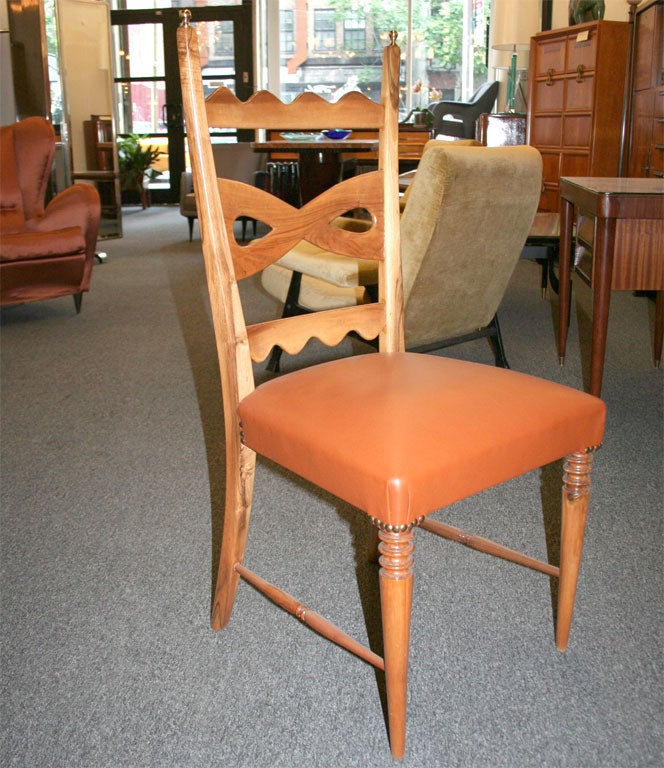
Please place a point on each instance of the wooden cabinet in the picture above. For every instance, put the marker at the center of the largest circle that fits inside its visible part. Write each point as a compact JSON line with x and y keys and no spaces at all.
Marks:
{"x":646,"y":149}
{"x":575,"y":102}
{"x":101,"y":170}
{"x":99,"y":143}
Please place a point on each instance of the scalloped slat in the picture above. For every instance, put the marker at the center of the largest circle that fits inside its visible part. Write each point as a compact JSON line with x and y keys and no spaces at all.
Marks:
{"x":329,"y":326}
{"x":307,"y":111}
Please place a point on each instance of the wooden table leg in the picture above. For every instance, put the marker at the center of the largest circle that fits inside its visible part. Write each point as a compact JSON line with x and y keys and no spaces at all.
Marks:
{"x":565,"y":268}
{"x":318,"y":171}
{"x":604,"y":241}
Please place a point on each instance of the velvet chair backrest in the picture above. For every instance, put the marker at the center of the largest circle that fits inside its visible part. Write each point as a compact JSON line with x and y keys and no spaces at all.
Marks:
{"x":27,"y":149}
{"x":468,"y":215}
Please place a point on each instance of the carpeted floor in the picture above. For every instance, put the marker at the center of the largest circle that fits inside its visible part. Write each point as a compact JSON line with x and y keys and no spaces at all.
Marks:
{"x":112,"y":506}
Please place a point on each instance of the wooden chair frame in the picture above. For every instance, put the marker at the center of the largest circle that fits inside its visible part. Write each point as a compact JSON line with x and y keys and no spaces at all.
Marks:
{"x":238,"y":345}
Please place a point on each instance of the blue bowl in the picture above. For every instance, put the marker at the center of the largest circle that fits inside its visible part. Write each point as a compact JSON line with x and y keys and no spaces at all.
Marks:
{"x":336,"y":134}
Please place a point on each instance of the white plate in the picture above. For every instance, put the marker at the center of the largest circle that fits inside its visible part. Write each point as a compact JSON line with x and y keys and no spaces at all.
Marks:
{"x":300,"y":136}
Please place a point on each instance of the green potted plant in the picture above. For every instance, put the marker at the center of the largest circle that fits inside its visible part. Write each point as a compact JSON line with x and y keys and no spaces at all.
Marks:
{"x":135,"y":162}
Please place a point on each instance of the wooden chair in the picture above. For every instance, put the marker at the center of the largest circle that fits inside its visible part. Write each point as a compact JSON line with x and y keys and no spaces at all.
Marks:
{"x":396,"y":434}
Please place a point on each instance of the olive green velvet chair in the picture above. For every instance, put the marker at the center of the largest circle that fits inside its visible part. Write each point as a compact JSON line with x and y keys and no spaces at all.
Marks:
{"x":468,"y":213}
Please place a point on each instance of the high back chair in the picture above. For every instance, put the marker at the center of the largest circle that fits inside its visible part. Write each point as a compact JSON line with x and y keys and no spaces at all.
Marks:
{"x":396,"y":434}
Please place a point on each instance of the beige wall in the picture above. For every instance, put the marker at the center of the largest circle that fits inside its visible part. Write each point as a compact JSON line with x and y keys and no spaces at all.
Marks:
{"x":615,"y":10}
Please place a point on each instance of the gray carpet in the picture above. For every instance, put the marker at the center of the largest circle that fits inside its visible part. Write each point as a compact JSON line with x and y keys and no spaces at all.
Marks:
{"x":112,"y":505}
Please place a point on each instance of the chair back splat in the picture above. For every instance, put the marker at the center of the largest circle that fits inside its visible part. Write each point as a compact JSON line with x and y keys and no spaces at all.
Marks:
{"x":397,"y":434}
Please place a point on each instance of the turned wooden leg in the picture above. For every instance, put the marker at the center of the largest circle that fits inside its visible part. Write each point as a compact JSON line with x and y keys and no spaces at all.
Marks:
{"x":396,"y":593}
{"x":576,"y":495}
{"x":240,"y":467}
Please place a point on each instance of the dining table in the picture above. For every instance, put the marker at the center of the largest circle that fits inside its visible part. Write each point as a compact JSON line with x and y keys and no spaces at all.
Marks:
{"x":320,"y":160}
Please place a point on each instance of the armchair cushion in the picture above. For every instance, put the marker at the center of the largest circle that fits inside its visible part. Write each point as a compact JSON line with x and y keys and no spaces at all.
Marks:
{"x":38,"y":245}
{"x":315,"y":294}
{"x":331,"y":267}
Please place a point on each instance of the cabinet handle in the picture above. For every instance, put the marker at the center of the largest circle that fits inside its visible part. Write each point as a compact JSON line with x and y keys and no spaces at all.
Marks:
{"x":579,"y":73}
{"x":549,"y":76}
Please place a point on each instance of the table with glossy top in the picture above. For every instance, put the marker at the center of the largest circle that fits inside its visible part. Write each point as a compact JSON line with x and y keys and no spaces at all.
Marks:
{"x":628,"y":252}
{"x":319,"y":161}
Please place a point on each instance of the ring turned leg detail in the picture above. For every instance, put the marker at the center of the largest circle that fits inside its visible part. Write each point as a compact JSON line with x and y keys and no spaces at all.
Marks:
{"x":576,"y":495}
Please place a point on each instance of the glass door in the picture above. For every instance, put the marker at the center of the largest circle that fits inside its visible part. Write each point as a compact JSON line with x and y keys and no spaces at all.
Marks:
{"x":147,"y":84}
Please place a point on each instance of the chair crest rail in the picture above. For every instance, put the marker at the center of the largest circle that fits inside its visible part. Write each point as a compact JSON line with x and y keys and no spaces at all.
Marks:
{"x":307,"y":111}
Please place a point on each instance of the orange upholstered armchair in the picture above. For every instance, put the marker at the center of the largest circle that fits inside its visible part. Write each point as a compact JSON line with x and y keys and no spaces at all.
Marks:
{"x":44,"y":252}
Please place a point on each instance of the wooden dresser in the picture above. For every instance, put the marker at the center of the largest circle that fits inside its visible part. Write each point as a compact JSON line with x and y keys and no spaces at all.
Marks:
{"x":575,"y":102}
{"x":646,"y":148}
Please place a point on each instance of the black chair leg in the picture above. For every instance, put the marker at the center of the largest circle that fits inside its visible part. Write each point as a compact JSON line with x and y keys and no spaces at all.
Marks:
{"x":190,"y":221}
{"x":544,"y":266}
{"x":291,"y":308}
{"x":496,"y":341}
{"x":78,"y":299}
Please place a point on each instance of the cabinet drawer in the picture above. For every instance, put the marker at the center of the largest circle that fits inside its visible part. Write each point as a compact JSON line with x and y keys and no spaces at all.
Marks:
{"x":549,"y":97}
{"x":550,"y":167}
{"x":658,"y":131}
{"x":657,"y":162}
{"x":582,"y":52}
{"x":574,"y":164}
{"x":550,"y":199}
{"x":577,"y":130}
{"x":547,"y":131}
{"x":580,"y":93}
{"x":550,"y":55}
{"x":659,"y":103}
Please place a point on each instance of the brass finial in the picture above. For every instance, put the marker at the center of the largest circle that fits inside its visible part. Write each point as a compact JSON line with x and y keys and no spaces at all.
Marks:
{"x":185,"y":15}
{"x":393,"y":36}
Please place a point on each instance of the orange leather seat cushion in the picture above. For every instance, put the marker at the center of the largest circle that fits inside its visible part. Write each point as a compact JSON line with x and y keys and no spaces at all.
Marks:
{"x":401,"y":435}
{"x":39,"y":245}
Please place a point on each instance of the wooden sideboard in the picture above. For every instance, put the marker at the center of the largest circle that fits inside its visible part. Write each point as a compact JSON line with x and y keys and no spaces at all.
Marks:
{"x":575,"y":102}
{"x":646,"y":130}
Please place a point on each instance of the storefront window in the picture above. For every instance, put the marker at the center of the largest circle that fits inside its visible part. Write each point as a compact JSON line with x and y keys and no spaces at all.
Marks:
{"x":335,"y":46}
{"x":325,"y":30}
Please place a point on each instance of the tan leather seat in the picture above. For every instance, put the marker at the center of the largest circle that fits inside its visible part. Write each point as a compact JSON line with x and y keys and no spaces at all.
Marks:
{"x":394,"y":434}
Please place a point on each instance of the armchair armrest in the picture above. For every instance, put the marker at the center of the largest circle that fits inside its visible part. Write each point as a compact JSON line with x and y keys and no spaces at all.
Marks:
{"x":76,"y":206}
